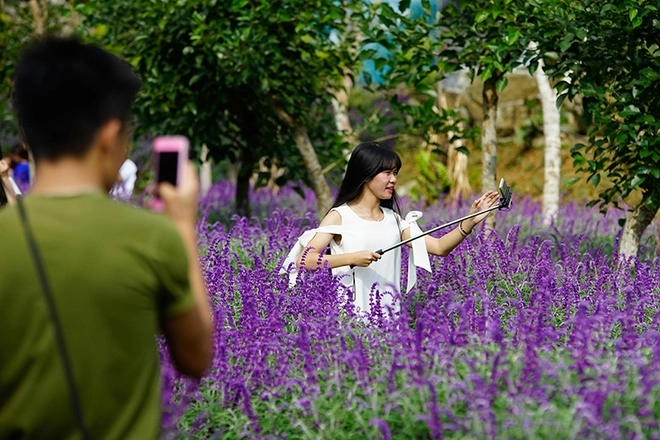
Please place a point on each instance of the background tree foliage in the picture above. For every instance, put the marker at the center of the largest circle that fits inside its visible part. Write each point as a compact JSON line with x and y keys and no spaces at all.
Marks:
{"x":223,"y":73}
{"x":250,"y":79}
{"x":20,"y":20}
{"x":609,"y":52}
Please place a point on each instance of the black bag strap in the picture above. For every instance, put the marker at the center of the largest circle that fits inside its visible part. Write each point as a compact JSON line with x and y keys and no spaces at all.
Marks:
{"x":57,"y":326}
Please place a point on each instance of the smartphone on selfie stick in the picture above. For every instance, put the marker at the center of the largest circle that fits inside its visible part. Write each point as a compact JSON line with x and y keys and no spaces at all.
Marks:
{"x":170,"y":155}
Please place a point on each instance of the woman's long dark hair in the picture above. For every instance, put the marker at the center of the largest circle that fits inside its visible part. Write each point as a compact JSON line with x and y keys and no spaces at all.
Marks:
{"x":368,"y":160}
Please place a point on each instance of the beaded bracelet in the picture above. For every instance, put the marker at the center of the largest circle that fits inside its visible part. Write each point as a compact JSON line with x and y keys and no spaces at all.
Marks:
{"x":462,"y":231}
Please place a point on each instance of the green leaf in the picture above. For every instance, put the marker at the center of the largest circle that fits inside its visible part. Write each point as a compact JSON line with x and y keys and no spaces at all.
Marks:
{"x":501,"y":84}
{"x":487,"y":73}
{"x":404,"y":5}
{"x":572,"y":181}
{"x":194,"y":79}
{"x":463,"y":150}
{"x":576,"y":147}
{"x":561,"y":86}
{"x":650,"y":74}
{"x":322,"y":54}
{"x":100,"y":31}
{"x":481,"y":16}
{"x":594,"y":179}
{"x":513,"y":35}
{"x":560,"y":99}
{"x":645,"y":153}
{"x":630,"y":110}
{"x":632,"y":14}
{"x":637,"y":180}
{"x":588,"y":89}
{"x":578,"y":159}
{"x":566,"y":42}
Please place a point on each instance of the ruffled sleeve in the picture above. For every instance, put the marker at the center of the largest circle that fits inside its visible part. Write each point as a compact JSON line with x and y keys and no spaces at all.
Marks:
{"x":419,"y":255}
{"x":289,"y":264}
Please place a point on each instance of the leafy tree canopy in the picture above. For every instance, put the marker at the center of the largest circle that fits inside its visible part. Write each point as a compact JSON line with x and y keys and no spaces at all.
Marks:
{"x":214,"y":70}
{"x":608,"y":51}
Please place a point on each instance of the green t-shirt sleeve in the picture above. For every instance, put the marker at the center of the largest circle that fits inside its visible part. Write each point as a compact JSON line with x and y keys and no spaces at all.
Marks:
{"x":176,"y":294}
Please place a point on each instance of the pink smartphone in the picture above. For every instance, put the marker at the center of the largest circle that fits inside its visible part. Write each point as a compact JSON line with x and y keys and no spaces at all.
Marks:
{"x":170,"y":155}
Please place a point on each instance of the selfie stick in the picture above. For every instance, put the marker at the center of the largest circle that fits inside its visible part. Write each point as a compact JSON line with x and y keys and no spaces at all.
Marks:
{"x":505,"y":202}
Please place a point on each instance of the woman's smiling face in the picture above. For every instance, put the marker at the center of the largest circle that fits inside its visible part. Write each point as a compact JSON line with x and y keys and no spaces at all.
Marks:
{"x":382,"y":184}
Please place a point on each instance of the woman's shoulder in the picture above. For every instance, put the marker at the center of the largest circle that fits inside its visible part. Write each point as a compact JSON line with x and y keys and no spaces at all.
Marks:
{"x":332,"y":218}
{"x":341,"y":209}
{"x":389,"y":212}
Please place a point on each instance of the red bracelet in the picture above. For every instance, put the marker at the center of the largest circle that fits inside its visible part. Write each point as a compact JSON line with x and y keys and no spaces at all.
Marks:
{"x":462,"y":231}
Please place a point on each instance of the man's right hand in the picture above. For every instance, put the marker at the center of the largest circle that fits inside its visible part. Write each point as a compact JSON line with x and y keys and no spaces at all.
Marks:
{"x":181,"y":201}
{"x":189,"y":335}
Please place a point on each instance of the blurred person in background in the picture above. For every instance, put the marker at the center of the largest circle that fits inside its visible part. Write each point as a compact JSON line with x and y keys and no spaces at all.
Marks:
{"x":90,"y":282}
{"x":123,"y":189}
{"x":19,"y":161}
{"x":7,"y":186}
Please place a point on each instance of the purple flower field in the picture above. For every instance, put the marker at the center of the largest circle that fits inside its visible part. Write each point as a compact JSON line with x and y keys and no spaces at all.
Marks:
{"x":522,"y":332}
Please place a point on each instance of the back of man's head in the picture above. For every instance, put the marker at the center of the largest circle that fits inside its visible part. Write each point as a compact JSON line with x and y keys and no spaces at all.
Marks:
{"x":65,"y":91}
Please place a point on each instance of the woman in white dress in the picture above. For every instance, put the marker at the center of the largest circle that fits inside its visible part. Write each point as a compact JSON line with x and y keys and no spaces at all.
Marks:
{"x":365,"y":218}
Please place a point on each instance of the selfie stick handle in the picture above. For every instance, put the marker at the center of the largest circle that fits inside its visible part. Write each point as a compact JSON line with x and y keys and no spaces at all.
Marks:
{"x":437,"y":228}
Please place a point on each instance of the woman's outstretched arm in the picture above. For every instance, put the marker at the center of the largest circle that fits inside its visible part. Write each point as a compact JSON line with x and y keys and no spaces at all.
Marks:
{"x":442,"y":246}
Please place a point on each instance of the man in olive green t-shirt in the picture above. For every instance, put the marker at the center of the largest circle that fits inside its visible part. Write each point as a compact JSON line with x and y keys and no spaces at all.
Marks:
{"x":118,"y":275}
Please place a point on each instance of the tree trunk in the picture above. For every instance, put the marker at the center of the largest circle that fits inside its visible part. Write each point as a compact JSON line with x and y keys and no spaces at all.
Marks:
{"x":205,"y":177}
{"x":340,"y":100}
{"x":636,"y":224}
{"x":457,"y":162}
{"x":552,"y":157}
{"x":310,"y":159}
{"x":489,"y":139}
{"x":39,"y":12}
{"x":457,"y":168}
{"x":242,"y":196}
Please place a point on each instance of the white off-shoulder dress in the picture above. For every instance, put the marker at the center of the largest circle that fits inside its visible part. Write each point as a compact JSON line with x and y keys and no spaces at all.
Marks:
{"x":358,"y":234}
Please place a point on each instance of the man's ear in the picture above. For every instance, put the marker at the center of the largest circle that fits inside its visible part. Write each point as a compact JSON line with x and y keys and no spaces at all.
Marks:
{"x":108,"y":135}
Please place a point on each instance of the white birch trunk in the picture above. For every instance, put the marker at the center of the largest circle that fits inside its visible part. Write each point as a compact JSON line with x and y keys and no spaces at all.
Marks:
{"x":205,"y":178}
{"x":636,"y":223}
{"x":552,"y":152}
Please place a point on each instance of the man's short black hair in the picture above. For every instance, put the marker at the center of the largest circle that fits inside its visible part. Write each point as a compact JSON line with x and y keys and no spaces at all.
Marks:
{"x":65,"y":90}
